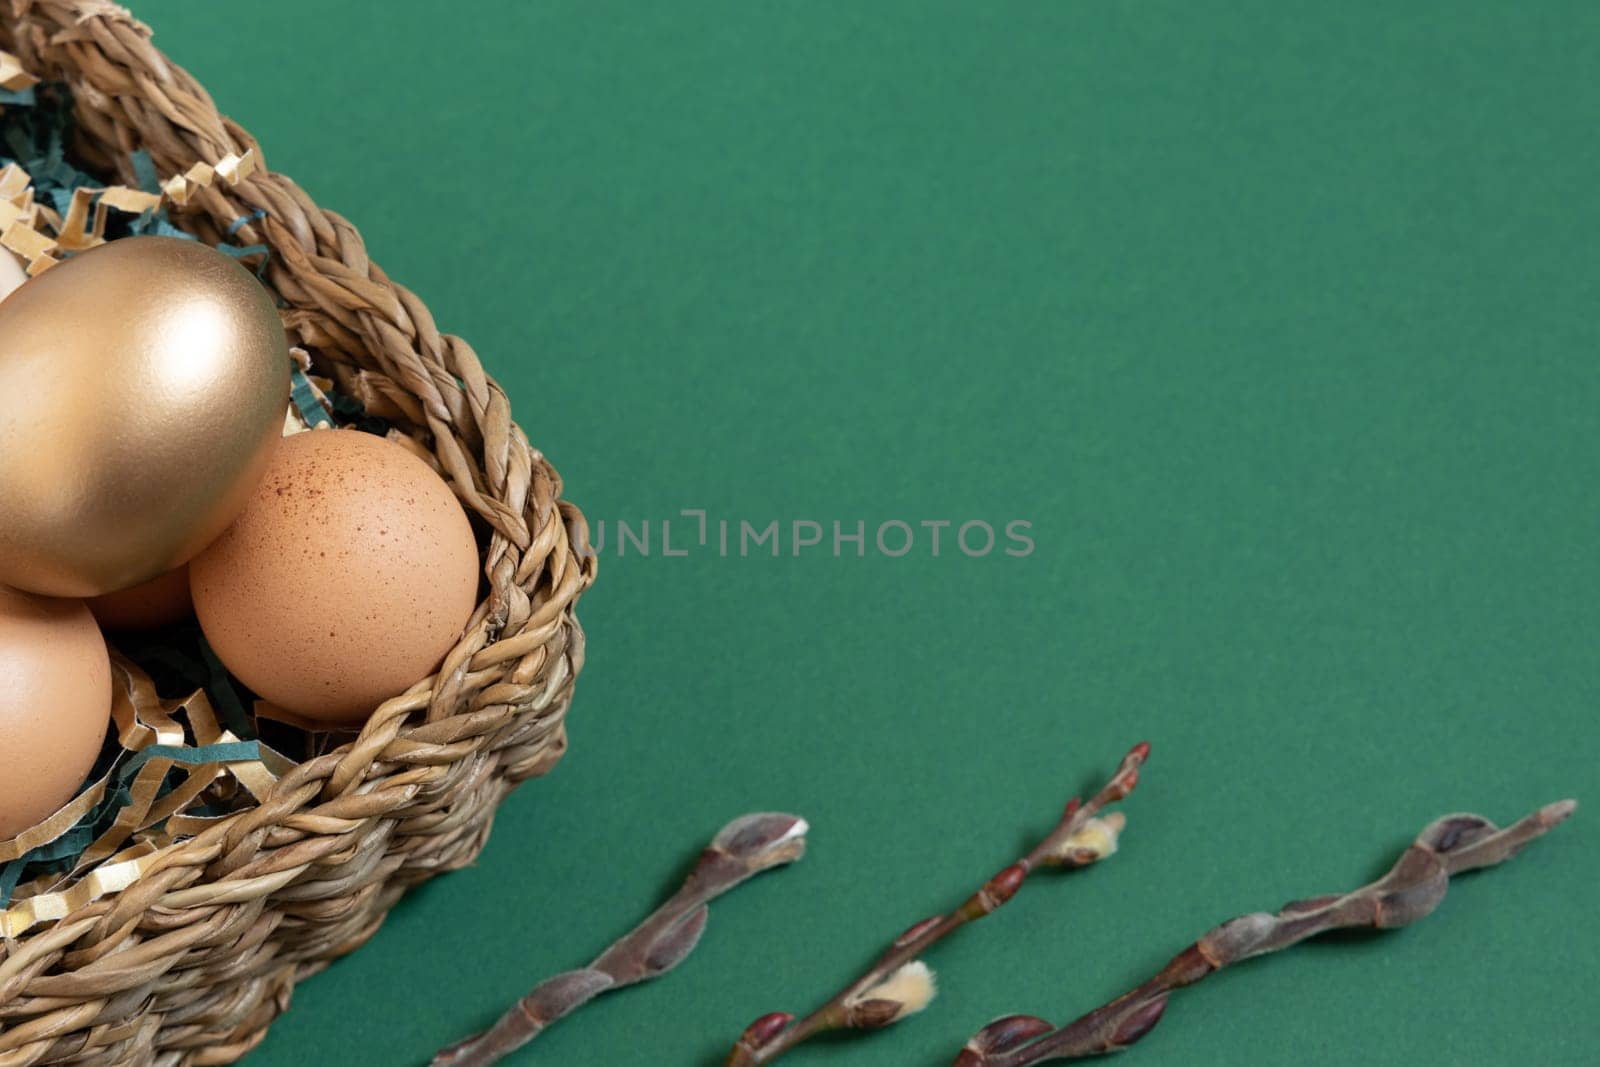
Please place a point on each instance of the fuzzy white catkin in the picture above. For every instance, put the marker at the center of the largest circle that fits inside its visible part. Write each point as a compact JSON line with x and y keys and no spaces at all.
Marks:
{"x":912,"y":986}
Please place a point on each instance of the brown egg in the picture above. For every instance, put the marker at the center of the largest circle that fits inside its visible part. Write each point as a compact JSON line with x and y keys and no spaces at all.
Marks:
{"x":55,"y":705}
{"x":161,"y":601}
{"x":142,"y":389}
{"x":351,"y":573}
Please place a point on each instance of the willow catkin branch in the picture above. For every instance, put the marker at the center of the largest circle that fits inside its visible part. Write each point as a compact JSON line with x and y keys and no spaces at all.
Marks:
{"x":899,"y":984}
{"x":1413,"y":887}
{"x":742,"y":849}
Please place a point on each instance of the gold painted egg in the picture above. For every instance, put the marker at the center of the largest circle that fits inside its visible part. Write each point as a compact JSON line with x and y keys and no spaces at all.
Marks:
{"x":142,"y":390}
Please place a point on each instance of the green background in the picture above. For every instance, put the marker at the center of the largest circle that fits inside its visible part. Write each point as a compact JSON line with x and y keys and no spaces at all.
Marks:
{"x":1277,"y":320}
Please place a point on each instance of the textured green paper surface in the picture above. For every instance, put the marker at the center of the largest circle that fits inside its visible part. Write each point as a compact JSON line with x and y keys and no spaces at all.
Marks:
{"x":1279,"y":322}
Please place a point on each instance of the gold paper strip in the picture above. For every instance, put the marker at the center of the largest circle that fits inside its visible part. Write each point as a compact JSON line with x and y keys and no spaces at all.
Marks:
{"x":46,"y":882}
{"x":73,"y":235}
{"x":12,"y":76}
{"x":48,"y":907}
{"x":231,"y":168}
{"x":26,"y":241}
{"x":16,"y":184}
{"x":133,"y":201}
{"x":141,"y":795}
{"x":257,"y":776}
{"x":191,"y":825}
{"x":65,"y":818}
{"x":142,"y":718}
{"x":198,"y":781}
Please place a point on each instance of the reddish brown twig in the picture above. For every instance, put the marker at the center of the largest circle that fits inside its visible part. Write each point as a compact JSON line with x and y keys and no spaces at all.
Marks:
{"x":1412,"y":888}
{"x":900,"y":984}
{"x":744,"y":848}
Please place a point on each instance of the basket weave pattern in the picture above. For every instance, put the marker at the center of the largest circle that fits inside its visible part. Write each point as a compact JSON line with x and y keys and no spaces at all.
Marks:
{"x":193,"y":962}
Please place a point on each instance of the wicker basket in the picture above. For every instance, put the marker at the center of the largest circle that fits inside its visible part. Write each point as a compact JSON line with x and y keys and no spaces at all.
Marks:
{"x":192,"y":963}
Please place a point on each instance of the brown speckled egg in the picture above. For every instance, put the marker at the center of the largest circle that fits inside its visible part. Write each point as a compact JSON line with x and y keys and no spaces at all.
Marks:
{"x":350,"y":574}
{"x":162,"y":601}
{"x":55,"y":705}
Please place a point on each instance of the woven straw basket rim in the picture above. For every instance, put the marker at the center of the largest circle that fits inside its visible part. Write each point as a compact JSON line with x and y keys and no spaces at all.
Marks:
{"x":191,"y":963}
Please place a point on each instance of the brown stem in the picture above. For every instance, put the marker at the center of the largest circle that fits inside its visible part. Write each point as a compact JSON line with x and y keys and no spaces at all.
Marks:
{"x":868,"y":1003}
{"x":1413,"y":887}
{"x":744,"y":848}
